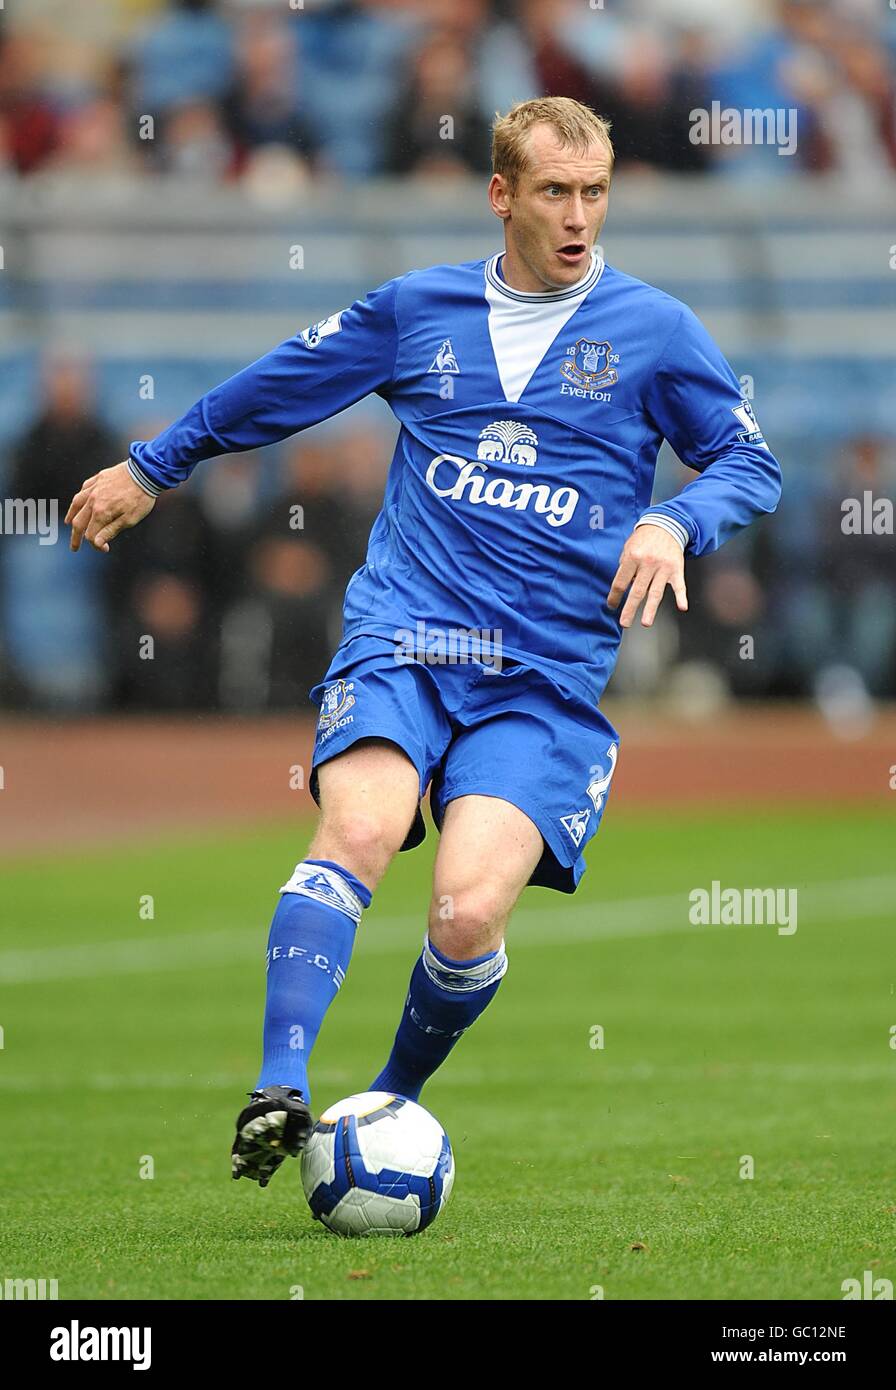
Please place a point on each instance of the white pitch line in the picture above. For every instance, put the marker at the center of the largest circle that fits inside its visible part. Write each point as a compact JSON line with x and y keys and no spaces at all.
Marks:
{"x":723,"y":1073}
{"x":595,"y":921}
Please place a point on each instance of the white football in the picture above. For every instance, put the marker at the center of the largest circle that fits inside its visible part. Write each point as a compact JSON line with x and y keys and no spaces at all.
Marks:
{"x":377,"y":1164}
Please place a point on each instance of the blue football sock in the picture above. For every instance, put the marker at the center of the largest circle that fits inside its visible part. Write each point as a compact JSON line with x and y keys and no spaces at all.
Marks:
{"x":444,"y":998}
{"x":309,"y":949}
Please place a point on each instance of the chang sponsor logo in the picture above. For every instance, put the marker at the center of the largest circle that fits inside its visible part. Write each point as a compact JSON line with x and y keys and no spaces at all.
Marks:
{"x":458,"y":479}
{"x":507,"y":441}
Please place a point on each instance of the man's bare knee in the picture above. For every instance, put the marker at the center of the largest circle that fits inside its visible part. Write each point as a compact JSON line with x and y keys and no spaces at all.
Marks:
{"x":486,"y":856}
{"x":362,"y":842}
{"x":369,"y":797}
{"x":470,"y":922}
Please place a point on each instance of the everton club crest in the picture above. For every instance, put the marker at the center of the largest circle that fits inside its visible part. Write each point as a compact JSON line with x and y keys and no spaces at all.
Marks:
{"x":590,"y":365}
{"x":336,"y":701}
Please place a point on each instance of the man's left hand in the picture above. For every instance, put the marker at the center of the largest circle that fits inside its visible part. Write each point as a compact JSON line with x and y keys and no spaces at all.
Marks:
{"x":651,"y":559}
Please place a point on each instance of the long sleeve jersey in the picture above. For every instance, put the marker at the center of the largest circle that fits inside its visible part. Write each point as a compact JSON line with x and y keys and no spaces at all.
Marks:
{"x":530,"y":428}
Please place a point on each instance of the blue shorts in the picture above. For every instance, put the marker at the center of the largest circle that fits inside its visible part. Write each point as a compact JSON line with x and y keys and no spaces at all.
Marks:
{"x":468,"y":728}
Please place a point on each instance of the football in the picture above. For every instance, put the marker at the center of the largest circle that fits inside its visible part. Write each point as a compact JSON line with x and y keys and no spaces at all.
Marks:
{"x":377,"y":1164}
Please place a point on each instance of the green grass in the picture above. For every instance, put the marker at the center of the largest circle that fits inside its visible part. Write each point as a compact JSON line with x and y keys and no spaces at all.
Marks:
{"x":719,"y":1042}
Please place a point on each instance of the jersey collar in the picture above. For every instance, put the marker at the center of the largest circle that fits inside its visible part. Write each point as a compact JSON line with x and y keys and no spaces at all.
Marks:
{"x":587,"y":283}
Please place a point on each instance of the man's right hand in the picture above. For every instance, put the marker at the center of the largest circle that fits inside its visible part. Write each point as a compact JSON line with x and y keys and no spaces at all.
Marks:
{"x":107,"y":503}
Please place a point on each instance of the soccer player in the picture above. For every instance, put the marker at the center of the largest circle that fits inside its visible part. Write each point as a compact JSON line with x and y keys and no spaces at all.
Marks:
{"x":533,"y":390}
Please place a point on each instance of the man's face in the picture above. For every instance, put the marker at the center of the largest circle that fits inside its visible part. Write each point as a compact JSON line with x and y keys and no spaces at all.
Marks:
{"x":555,"y":214}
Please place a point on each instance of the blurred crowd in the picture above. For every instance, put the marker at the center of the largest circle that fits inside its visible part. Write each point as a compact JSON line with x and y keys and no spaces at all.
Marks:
{"x":229,"y":596}
{"x":243,"y":90}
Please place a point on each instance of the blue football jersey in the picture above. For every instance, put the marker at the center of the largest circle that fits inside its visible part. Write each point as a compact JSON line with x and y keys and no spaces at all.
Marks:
{"x":530,"y":427}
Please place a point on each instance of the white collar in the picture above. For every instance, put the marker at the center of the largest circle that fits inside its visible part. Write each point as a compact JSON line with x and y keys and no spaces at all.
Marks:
{"x":582,"y":287}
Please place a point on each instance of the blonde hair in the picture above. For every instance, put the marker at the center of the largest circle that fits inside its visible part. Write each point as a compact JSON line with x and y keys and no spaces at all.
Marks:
{"x":576,"y":126}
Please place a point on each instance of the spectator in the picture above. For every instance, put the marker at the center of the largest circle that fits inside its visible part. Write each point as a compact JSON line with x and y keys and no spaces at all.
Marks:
{"x":352,"y":57}
{"x":558,"y":72}
{"x":860,"y":113}
{"x":53,"y":613}
{"x":284,"y":612}
{"x":435,"y":126}
{"x":195,"y":144}
{"x":289,"y":599}
{"x":67,"y":439}
{"x":29,"y":125}
{"x":92,"y":140}
{"x":859,"y":603}
{"x":185,"y":56}
{"x":263,"y":107}
{"x":728,"y":625}
{"x":651,"y":102}
{"x":164,"y":612}
{"x":781,"y":69}
{"x":339,"y":504}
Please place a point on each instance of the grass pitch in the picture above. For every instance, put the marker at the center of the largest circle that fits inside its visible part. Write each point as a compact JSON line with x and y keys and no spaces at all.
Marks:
{"x":130,"y":1041}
